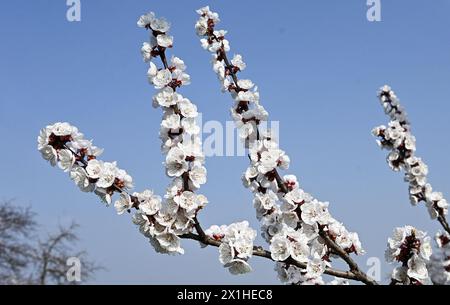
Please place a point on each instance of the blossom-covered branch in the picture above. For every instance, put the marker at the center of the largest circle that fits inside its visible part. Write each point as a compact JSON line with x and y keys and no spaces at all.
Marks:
{"x":63,"y":145}
{"x":163,"y":223}
{"x":179,"y":131}
{"x":181,"y":141}
{"x":297,"y":226}
{"x":410,"y":246}
{"x":215,"y":240}
{"x":401,"y":144}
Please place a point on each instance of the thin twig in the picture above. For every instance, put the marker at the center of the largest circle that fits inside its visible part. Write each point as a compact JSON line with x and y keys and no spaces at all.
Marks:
{"x":443,"y":221}
{"x":359,"y":275}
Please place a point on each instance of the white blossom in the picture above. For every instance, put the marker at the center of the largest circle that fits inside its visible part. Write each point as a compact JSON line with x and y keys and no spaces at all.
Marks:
{"x":264,"y":202}
{"x":145,"y":20}
{"x":216,"y":232}
{"x":245,"y":84}
{"x":236,"y":247}
{"x":170,"y":242}
{"x":417,"y":268}
{"x":171,"y":121}
{"x":146,"y":51}
{"x":315,"y":267}
{"x":176,"y":163}
{"x":149,"y":203}
{"x":187,"y":109}
{"x":104,"y":194}
{"x":293,"y":198}
{"x":201,"y":26}
{"x":62,"y":129}
{"x":66,"y":159}
{"x":165,"y":41}
{"x":177,"y":63}
{"x":181,"y":77}
{"x":190,"y":126}
{"x":197,"y":175}
{"x":238,"y":62}
{"x":49,"y":154}
{"x":152,"y":71}
{"x":280,"y":248}
{"x":207,"y":13}
{"x":79,"y":176}
{"x":160,"y":25}
{"x":94,"y":168}
{"x":269,"y":160}
{"x":188,"y":201}
{"x":315,"y":211}
{"x":161,"y":79}
{"x":124,"y":179}
{"x":226,"y":253}
{"x":123,"y":204}
{"x":167,"y":97}
{"x":108,"y":174}
{"x":238,"y":266}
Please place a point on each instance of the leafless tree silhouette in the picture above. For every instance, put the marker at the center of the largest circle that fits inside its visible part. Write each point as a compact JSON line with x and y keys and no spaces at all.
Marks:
{"x":28,"y":259}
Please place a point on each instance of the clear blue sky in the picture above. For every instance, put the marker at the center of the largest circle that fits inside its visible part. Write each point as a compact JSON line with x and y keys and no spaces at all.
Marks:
{"x":318,"y":65}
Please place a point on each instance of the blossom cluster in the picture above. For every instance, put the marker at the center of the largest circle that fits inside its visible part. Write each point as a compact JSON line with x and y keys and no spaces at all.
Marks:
{"x":179,"y":133}
{"x":292,"y":220}
{"x":236,"y":245}
{"x":411,"y":248}
{"x":63,"y":145}
{"x":397,"y":138}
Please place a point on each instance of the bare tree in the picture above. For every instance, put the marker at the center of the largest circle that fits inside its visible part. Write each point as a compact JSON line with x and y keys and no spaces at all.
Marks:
{"x":16,"y":226}
{"x":26,"y":259}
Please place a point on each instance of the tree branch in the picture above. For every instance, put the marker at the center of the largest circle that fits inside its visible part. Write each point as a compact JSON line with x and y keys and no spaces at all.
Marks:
{"x":355,"y":272}
{"x":260,"y":252}
{"x":354,"y":269}
{"x":397,"y":114}
{"x":443,"y":221}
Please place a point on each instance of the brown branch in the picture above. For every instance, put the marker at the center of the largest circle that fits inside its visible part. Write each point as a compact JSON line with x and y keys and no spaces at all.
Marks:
{"x":359,"y":275}
{"x":355,"y":272}
{"x":280,"y":182}
{"x":281,"y":186}
{"x":162,"y":54}
{"x":199,"y":229}
{"x":260,"y":252}
{"x":229,"y":67}
{"x":443,"y":221}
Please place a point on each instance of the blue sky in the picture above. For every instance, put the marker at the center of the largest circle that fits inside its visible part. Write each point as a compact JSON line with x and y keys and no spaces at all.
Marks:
{"x":318,"y":65}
